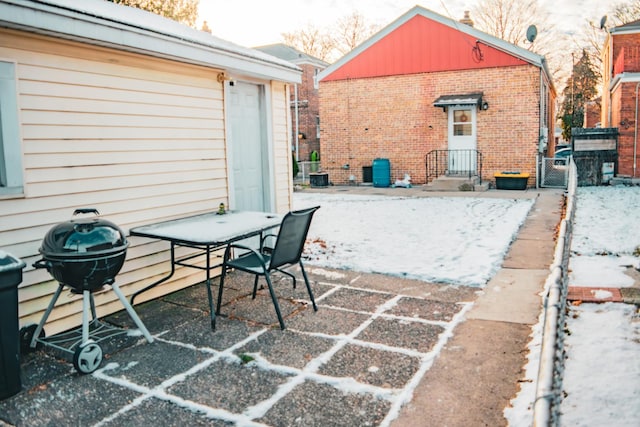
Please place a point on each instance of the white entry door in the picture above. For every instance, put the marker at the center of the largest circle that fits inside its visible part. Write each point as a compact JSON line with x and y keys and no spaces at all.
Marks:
{"x":249,"y":160}
{"x":462,"y":139}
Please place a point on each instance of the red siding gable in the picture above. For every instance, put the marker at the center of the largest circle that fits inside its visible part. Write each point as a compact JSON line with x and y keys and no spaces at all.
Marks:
{"x":422,"y":45}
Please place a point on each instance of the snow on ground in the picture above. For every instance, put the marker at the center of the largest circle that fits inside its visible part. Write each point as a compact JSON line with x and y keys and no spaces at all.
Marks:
{"x":602,"y":377}
{"x":463,"y":241}
{"x":457,"y":240}
{"x":602,"y":372}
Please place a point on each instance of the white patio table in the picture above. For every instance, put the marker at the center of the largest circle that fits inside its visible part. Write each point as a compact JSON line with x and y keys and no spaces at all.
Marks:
{"x":207,"y":233}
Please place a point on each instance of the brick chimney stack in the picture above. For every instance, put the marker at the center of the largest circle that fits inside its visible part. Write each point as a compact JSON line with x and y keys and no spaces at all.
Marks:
{"x":467,"y":19}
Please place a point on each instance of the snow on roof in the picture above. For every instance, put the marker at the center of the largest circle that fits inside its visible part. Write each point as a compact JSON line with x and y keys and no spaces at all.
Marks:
{"x":289,"y":53}
{"x":107,"y":24}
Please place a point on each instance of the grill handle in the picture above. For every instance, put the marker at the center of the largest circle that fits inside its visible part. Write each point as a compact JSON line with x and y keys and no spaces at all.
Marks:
{"x":85,"y":211}
{"x":42,"y":263}
{"x":45,"y":263}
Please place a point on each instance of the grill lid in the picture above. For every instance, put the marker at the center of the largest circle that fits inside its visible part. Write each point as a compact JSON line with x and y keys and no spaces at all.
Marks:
{"x":86,"y":237}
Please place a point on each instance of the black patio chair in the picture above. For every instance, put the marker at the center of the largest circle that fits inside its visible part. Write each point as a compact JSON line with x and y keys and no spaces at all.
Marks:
{"x":286,"y":252}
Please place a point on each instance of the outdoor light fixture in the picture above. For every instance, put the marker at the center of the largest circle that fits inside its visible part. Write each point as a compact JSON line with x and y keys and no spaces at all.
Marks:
{"x":485,"y":105}
{"x":222,"y":77}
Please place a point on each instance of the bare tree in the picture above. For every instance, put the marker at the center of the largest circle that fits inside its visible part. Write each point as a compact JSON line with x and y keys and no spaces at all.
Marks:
{"x":183,"y":11}
{"x":623,"y":13}
{"x":506,"y":19}
{"x":328,"y":44}
{"x":351,"y":31}
{"x":510,"y":20}
{"x":311,"y":41}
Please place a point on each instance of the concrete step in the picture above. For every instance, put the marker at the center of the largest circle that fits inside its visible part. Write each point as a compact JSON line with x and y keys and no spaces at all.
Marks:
{"x":456,"y":183}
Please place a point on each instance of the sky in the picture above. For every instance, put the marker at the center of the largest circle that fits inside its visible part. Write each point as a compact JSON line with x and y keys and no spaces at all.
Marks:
{"x":602,"y":378}
{"x":254,"y":23}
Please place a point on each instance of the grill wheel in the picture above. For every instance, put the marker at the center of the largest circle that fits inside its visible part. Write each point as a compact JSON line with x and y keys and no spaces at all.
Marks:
{"x":87,"y":357}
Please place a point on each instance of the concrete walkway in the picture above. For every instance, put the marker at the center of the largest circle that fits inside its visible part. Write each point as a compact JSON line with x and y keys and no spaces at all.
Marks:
{"x":477,"y":373}
{"x":380,"y":350}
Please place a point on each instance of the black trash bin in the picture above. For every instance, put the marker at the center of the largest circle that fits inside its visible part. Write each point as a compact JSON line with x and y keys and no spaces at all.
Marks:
{"x":10,"y":278}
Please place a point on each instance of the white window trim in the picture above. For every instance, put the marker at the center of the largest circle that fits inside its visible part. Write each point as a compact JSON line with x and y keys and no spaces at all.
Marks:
{"x":11,"y":177}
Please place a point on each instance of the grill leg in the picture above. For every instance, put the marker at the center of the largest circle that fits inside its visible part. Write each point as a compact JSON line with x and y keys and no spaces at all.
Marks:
{"x":86,"y":303}
{"x":132,"y":312}
{"x":93,"y":308}
{"x":36,"y":334}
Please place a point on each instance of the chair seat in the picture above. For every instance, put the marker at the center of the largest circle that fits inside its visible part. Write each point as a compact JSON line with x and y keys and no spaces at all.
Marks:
{"x":287,"y":251}
{"x":250,"y":262}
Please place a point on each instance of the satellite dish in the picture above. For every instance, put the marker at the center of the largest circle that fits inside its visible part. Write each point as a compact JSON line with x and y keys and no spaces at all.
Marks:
{"x":603,"y":21}
{"x":532,"y":32}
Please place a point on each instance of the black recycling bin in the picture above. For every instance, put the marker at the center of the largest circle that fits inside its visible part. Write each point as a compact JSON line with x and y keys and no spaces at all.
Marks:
{"x":10,"y":278}
{"x":319,"y":179}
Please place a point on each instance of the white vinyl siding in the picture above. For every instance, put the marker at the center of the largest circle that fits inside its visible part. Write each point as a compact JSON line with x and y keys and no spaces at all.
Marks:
{"x":282,"y":146}
{"x":137,"y":138}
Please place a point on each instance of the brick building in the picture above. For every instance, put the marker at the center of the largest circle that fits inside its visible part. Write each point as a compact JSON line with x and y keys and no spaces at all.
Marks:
{"x":621,"y":81}
{"x":592,"y":114}
{"x":427,"y":83}
{"x":306,"y":117}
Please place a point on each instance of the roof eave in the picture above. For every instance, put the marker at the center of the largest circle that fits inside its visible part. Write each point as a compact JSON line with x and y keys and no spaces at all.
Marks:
{"x":621,"y":30}
{"x":626,"y":77}
{"x":53,"y":20}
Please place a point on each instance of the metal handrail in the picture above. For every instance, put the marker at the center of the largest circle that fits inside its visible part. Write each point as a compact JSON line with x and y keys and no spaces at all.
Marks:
{"x":453,"y":163}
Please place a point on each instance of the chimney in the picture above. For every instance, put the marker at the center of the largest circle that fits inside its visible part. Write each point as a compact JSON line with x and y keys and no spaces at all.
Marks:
{"x":467,"y":20}
{"x":205,"y":27}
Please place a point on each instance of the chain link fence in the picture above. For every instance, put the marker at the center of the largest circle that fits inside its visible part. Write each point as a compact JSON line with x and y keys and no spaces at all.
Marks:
{"x":305,"y":169}
{"x":546,"y":410}
{"x":554,"y":172}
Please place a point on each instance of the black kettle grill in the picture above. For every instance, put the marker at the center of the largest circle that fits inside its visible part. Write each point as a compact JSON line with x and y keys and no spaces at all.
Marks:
{"x":85,"y":254}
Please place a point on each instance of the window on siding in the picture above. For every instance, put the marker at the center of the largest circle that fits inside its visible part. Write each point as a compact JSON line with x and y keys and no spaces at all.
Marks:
{"x":10,"y":152}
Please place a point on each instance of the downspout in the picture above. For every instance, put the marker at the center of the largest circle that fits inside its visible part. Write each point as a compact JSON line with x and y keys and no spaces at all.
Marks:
{"x":609,"y":42}
{"x":295,"y":97}
{"x":539,"y":155}
{"x":635,"y":136}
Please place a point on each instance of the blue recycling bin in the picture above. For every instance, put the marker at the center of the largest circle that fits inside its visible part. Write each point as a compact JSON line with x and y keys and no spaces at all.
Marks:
{"x":10,"y":278}
{"x":381,"y":172}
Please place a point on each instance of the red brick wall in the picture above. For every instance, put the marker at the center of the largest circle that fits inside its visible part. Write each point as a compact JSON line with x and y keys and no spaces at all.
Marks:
{"x":623,"y":110}
{"x":306,"y":113}
{"x":591,"y":114}
{"x":394,"y":117}
{"x":623,"y":102}
{"x":630,"y":43}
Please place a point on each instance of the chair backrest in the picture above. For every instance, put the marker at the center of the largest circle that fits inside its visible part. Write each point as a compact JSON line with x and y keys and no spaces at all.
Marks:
{"x":291,"y":237}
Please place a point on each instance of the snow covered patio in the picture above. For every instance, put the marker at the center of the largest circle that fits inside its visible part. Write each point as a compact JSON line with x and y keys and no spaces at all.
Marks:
{"x":379,"y":347}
